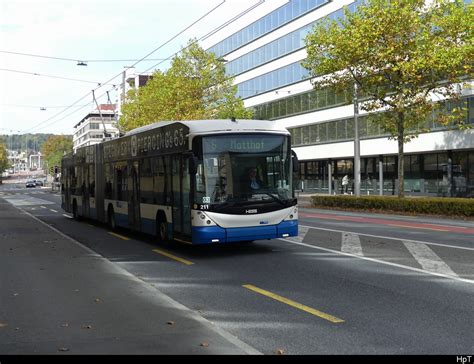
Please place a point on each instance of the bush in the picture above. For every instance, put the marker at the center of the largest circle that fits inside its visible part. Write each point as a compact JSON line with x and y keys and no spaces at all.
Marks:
{"x":420,"y":205}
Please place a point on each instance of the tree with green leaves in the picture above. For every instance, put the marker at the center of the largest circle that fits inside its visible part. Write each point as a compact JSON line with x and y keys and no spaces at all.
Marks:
{"x":54,"y":148}
{"x":194,"y":87}
{"x":3,"y":158}
{"x":403,"y":55}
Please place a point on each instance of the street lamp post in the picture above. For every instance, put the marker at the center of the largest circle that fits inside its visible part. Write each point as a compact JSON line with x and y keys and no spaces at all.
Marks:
{"x":356,"y":143}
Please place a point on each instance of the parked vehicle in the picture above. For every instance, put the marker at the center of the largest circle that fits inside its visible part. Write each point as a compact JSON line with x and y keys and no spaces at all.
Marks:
{"x":30,"y":183}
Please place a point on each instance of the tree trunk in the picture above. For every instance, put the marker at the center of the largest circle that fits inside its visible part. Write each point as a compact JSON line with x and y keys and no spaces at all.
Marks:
{"x":401,"y":157}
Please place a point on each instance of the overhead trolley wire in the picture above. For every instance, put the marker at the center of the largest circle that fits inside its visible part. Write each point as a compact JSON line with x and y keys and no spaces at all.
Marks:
{"x":208,"y":34}
{"x":39,"y":127}
{"x":75,"y":59}
{"x":42,"y":75}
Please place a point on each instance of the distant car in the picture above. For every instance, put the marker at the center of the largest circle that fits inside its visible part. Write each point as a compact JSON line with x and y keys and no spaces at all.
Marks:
{"x":30,"y":183}
{"x":39,"y":182}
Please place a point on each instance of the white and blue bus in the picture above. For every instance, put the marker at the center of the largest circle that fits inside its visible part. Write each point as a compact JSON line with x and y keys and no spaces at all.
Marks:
{"x":199,"y":182}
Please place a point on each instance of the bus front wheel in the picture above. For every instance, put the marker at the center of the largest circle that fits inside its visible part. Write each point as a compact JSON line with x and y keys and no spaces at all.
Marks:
{"x":162,"y":231}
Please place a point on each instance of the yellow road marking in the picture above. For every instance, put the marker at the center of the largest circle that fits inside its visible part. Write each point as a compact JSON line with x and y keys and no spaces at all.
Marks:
{"x":166,"y":254}
{"x":118,"y":236}
{"x":417,"y":227}
{"x":297,"y":305}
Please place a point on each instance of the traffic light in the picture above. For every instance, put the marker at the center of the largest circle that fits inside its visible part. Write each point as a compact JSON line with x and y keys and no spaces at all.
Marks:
{"x":56,"y":170}
{"x":51,"y":170}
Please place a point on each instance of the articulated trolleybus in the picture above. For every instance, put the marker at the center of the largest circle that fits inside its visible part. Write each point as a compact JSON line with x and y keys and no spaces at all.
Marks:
{"x":199,"y":182}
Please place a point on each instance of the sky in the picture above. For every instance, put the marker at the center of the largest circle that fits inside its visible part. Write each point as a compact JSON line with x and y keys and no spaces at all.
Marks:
{"x":46,"y":95}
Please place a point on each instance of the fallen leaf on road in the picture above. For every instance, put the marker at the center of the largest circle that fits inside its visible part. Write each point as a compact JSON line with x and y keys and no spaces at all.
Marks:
{"x":170,"y":322}
{"x":87,"y":326}
{"x":205,"y":344}
{"x":63,"y":349}
{"x":3,"y":325}
{"x":97,"y":300}
{"x":280,"y":352}
{"x":65,"y":325}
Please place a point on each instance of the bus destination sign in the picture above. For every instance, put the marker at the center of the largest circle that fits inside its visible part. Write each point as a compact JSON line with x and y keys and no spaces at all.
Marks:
{"x":167,"y":139}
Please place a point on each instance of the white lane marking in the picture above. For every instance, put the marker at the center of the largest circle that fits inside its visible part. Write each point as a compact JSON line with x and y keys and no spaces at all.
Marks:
{"x":169,"y":301}
{"x":43,"y":207}
{"x":69,"y":217}
{"x":53,"y":210}
{"x":351,"y":244}
{"x":428,"y":259}
{"x":302,"y":231}
{"x":25,"y":200}
{"x":390,"y":238}
{"x":382,"y":262}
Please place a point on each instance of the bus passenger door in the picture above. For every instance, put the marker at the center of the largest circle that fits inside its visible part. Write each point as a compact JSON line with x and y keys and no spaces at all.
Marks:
{"x":176,"y":174}
{"x":134,"y":197}
{"x":186,"y":189}
{"x":85,"y":192}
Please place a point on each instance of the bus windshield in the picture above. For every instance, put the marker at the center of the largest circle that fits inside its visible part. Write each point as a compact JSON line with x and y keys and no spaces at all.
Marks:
{"x":243,"y":169}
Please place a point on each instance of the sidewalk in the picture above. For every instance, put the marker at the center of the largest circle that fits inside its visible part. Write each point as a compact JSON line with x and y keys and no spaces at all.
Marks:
{"x":59,"y":297}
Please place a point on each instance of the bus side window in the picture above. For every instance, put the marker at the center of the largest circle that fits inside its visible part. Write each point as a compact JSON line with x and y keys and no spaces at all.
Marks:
{"x":167,"y":186}
{"x":108,"y":181}
{"x":91,"y":180}
{"x":159,"y":180}
{"x":122,"y":185}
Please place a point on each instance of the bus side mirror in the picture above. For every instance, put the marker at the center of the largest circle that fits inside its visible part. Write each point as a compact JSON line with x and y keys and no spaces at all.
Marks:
{"x":294,"y":162}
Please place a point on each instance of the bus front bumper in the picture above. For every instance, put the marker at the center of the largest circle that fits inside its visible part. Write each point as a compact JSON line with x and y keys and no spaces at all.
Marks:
{"x":216,"y":234}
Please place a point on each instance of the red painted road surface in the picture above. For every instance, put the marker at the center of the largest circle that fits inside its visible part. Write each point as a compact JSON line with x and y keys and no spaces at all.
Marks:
{"x":397,"y":223}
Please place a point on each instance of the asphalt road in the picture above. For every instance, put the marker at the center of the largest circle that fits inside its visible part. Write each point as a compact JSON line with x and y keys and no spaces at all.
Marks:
{"x":349,"y":284}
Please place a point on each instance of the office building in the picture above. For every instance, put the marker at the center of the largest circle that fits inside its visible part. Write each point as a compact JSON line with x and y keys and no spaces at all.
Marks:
{"x":95,"y":127}
{"x":264,"y":49}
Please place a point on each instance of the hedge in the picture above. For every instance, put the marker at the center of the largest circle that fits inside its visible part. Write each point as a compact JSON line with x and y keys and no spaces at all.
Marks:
{"x":420,"y":205}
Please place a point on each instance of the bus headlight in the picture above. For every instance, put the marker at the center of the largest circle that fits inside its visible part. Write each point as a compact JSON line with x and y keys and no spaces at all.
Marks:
{"x":293,"y":214}
{"x":203,"y":220}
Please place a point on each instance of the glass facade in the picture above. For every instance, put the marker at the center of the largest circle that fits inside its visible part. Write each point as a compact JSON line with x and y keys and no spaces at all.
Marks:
{"x":334,"y":130}
{"x":280,"y":47}
{"x":445,"y":174}
{"x":287,"y":75}
{"x":301,"y":103}
{"x":270,"y":22}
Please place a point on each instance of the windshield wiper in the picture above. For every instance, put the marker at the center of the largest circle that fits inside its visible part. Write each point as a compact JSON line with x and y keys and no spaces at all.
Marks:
{"x":229,"y":203}
{"x":278,"y":199}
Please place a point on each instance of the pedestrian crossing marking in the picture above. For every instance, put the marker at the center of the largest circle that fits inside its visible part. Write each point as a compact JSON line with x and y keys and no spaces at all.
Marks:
{"x":420,"y":252}
{"x":351,"y":244}
{"x":428,"y":259}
